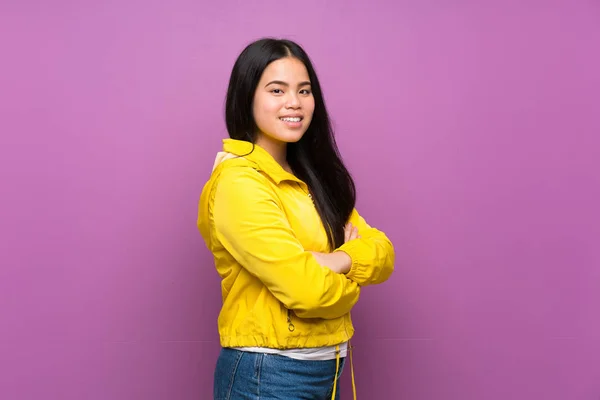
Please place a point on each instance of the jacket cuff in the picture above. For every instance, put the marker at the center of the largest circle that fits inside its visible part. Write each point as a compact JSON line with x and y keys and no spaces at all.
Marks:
{"x":360,"y":264}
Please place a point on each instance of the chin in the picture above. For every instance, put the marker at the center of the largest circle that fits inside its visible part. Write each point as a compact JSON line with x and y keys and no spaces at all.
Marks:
{"x":289,"y":137}
{"x":295,"y":139}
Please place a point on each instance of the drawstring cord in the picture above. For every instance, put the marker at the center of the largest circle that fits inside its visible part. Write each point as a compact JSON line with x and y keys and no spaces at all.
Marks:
{"x":352,"y":372}
{"x":337,"y":370}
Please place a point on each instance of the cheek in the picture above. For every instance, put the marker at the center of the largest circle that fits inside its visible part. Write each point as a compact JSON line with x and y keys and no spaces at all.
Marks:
{"x":309,"y":107}
{"x":267,"y":107}
{"x":265,"y":112}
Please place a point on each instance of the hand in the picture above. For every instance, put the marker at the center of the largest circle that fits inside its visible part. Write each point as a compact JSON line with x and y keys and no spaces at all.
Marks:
{"x":338,"y":261}
{"x":350,"y":232}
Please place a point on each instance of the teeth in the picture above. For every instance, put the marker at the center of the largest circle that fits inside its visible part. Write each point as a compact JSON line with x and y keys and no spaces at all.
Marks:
{"x":295,"y":119}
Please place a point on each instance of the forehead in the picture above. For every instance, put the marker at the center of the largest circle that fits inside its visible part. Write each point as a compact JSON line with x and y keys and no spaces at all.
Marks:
{"x":286,"y":69}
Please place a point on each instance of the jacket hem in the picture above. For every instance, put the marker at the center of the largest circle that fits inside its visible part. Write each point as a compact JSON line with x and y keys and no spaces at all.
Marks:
{"x":295,"y":342}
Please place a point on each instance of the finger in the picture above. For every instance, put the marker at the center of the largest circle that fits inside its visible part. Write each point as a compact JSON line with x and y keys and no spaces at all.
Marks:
{"x":350,"y":230}
{"x":347,"y":233}
{"x":354,"y":233}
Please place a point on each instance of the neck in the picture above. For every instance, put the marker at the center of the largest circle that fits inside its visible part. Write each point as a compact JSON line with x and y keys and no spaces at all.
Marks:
{"x":276,"y":148}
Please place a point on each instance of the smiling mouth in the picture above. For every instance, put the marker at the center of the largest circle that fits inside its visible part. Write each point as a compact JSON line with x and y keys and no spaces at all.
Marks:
{"x":291,"y":119}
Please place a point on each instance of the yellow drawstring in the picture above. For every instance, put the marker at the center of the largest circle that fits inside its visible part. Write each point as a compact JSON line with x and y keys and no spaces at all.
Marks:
{"x":352,"y":371}
{"x":337,"y":369}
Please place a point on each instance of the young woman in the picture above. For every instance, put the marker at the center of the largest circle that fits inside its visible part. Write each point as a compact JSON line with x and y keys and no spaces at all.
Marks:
{"x":278,"y":215}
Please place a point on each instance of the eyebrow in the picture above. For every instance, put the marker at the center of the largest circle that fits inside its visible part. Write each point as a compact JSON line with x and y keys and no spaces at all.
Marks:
{"x":282,"y":83}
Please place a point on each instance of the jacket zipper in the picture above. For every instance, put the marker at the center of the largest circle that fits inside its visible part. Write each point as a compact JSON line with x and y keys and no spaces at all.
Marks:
{"x":291,"y":326}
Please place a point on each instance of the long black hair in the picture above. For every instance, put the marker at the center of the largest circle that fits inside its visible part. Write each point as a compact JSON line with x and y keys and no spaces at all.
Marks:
{"x":315,"y":158}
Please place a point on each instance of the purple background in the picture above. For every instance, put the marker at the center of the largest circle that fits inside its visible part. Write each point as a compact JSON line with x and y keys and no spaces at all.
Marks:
{"x":472,"y":130}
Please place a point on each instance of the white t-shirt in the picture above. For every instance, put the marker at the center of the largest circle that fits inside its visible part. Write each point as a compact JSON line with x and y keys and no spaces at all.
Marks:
{"x":309,"y":354}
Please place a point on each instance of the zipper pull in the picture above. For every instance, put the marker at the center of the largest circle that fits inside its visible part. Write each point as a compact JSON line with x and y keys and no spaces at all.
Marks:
{"x":291,"y":326}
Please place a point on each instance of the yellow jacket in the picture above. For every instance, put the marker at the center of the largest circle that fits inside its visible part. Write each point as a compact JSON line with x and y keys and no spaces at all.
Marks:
{"x":260,"y":224}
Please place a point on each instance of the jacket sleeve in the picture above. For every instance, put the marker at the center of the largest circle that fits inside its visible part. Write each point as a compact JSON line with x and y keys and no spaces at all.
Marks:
{"x":251,"y":225}
{"x":372,"y":254}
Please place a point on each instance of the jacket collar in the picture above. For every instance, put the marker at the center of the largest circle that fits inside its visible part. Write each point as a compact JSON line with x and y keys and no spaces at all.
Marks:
{"x":259,"y":156}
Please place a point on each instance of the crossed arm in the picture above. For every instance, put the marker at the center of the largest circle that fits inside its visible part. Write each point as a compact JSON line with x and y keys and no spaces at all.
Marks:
{"x":255,"y":231}
{"x":367,"y":256}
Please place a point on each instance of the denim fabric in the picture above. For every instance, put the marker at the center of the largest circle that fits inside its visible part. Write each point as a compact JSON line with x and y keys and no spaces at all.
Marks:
{"x":241,"y":375}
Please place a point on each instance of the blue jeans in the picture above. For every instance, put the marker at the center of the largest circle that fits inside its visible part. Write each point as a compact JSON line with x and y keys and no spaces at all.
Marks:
{"x":241,"y":375}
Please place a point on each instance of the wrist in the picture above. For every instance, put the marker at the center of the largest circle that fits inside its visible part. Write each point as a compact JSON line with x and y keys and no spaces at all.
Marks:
{"x":345,"y":262}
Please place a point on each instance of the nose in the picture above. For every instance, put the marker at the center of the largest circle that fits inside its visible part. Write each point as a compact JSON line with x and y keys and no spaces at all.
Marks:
{"x":293,"y":101}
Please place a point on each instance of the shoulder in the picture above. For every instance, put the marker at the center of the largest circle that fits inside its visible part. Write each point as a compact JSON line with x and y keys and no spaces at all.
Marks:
{"x":238,"y":170}
{"x":242,"y":194}
{"x":239,"y":176}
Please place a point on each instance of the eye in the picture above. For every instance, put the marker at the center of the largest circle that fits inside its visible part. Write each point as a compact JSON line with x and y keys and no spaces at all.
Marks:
{"x":276,"y":91}
{"x":305,"y":91}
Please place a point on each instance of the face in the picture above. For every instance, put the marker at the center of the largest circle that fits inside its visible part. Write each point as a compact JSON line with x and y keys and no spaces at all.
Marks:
{"x":283,"y":102}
